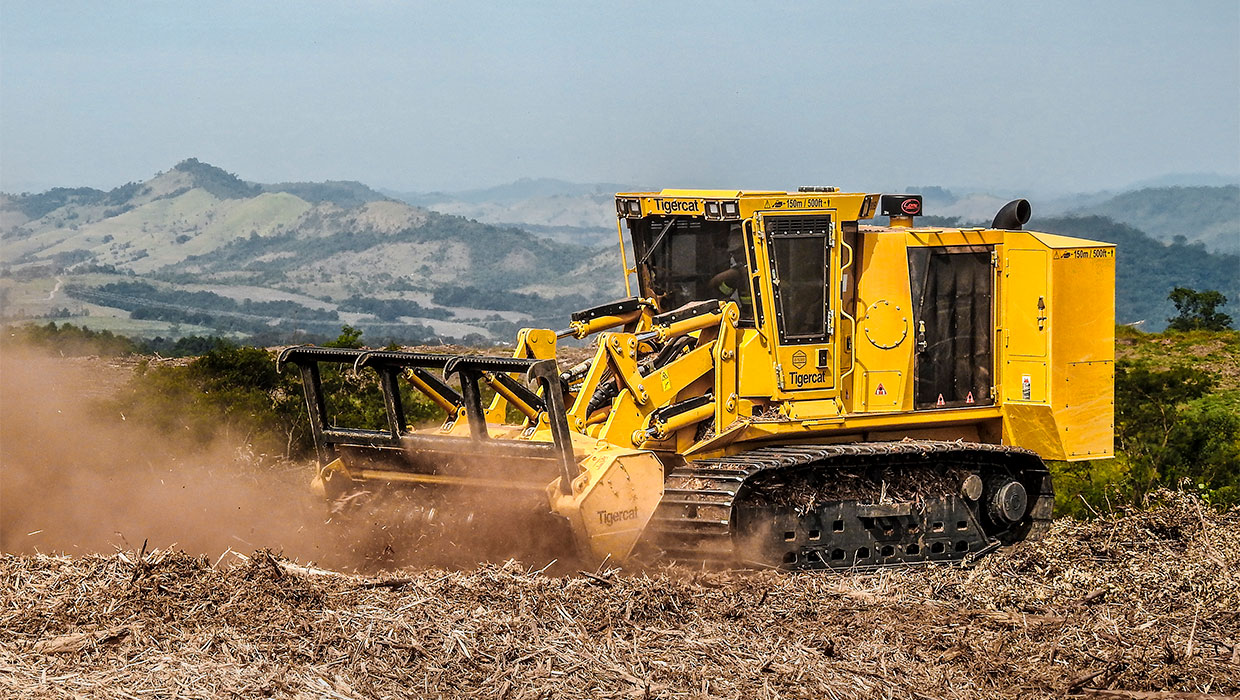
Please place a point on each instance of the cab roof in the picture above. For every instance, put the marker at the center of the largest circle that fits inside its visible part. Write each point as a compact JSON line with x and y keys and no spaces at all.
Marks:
{"x":714,"y":194}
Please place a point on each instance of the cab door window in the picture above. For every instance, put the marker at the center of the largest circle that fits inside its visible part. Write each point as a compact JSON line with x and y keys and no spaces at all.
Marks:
{"x":682,"y":259}
{"x":801,"y":251}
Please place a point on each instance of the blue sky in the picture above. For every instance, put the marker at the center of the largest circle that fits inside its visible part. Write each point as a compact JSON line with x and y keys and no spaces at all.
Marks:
{"x":1043,"y":97}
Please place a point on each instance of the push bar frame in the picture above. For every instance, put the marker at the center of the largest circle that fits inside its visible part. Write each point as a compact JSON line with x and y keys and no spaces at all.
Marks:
{"x":390,"y":365}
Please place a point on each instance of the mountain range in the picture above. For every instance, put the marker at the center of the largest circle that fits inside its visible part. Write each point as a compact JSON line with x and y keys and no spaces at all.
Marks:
{"x":333,"y":247}
{"x":565,"y":211}
{"x":197,"y":250}
{"x":584,"y":213}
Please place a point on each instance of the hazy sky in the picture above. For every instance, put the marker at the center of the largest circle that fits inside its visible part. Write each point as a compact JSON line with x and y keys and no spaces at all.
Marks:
{"x":1029,"y":96}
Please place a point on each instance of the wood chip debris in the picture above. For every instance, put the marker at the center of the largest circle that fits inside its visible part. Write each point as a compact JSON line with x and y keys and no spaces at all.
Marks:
{"x":1145,"y":605}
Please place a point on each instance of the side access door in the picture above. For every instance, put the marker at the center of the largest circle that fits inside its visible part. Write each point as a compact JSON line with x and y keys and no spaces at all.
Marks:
{"x":953,"y":308}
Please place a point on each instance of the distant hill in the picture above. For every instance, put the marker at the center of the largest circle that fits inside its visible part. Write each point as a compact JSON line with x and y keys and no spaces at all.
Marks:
{"x":565,"y":211}
{"x":1209,"y":215}
{"x":210,"y":250}
{"x":1187,"y":180}
{"x":344,"y":193}
{"x":972,"y":208}
{"x":1206,"y":215}
{"x":522,"y":189}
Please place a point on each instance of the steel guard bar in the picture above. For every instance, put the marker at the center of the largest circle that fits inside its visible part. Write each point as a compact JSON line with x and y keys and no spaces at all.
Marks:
{"x":390,"y":364}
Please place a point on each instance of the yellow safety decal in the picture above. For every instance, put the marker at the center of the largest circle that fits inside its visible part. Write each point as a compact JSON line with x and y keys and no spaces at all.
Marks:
{"x":1083,"y":253}
{"x":796,"y":203}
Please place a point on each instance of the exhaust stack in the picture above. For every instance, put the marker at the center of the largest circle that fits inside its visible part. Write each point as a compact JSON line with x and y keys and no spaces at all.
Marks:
{"x":1013,"y":215}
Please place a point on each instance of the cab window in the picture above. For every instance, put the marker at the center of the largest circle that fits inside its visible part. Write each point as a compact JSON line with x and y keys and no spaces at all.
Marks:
{"x":682,"y":259}
{"x":800,"y":247}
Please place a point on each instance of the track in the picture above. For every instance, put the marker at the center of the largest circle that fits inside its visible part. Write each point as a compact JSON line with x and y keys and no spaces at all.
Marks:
{"x":857,"y":506}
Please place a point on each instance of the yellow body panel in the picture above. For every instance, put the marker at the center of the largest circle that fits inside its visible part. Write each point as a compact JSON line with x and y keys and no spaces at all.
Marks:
{"x":1082,"y":366}
{"x":883,"y":352}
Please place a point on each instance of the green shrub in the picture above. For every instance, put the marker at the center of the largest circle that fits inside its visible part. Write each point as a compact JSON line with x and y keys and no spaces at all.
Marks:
{"x":68,"y":339}
{"x":231,"y":393}
{"x":234,"y":394}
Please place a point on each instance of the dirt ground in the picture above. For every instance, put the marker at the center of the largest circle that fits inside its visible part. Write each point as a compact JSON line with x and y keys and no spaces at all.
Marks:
{"x":1142,"y":606}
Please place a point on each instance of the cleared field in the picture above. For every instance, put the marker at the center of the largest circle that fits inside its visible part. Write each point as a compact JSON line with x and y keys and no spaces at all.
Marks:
{"x":105,"y":318}
{"x":243,"y":292}
{"x":1142,"y":606}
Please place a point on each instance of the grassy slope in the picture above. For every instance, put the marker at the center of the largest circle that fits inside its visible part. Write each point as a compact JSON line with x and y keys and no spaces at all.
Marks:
{"x":145,"y":238}
{"x":1214,"y":352}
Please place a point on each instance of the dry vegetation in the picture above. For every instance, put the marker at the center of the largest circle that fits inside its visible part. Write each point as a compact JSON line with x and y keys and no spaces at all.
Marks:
{"x":1143,"y":605}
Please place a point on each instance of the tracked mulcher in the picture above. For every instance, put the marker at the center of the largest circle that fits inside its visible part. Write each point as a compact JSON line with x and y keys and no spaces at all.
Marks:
{"x":784,"y":387}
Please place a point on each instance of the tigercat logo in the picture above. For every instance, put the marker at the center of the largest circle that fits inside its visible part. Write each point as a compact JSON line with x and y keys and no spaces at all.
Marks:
{"x":800,"y":379}
{"x":671,"y":206}
{"x":798,"y":359}
{"x":611,"y":517}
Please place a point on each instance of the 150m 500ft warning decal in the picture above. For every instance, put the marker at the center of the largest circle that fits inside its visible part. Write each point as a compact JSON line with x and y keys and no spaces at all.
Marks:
{"x":1084,"y":253}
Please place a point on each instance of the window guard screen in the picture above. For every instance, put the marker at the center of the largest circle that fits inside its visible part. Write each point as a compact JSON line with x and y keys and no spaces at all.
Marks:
{"x":683,"y":259}
{"x":800,"y":247}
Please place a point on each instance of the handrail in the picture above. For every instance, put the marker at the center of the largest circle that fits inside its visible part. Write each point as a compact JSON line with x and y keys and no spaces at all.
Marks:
{"x":852,"y":338}
{"x":624,"y":257}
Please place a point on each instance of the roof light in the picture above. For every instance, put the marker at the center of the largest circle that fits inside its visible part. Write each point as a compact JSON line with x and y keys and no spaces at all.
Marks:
{"x":901,"y":205}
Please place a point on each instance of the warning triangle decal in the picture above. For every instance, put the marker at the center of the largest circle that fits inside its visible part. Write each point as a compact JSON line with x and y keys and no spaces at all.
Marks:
{"x":969,"y":398}
{"x":940,"y":402}
{"x":880,"y":391}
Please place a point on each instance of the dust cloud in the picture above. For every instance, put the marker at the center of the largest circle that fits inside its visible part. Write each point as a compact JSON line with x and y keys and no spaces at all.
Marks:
{"x":77,"y":478}
{"x":452,"y":528}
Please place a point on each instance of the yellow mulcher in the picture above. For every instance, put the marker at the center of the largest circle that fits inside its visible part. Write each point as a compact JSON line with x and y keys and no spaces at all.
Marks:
{"x":784,"y":387}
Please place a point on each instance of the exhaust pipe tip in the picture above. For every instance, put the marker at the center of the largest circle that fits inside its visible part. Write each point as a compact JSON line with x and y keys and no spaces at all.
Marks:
{"x":1013,"y":215}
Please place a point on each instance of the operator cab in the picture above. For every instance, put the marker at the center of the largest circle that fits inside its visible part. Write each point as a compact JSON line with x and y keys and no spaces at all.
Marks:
{"x":776,"y":255}
{"x":682,"y":259}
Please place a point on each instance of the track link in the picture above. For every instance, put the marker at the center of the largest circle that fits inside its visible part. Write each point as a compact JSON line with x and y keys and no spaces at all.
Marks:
{"x":697,"y":519}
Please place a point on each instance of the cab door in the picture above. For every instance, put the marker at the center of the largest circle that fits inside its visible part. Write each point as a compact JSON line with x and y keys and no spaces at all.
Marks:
{"x":800,"y":249}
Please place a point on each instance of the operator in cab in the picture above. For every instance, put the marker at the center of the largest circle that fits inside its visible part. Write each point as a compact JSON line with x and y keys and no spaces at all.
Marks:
{"x":733,"y":283}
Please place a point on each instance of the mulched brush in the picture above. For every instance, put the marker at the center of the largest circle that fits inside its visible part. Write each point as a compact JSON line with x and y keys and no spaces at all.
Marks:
{"x":1145,"y":605}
